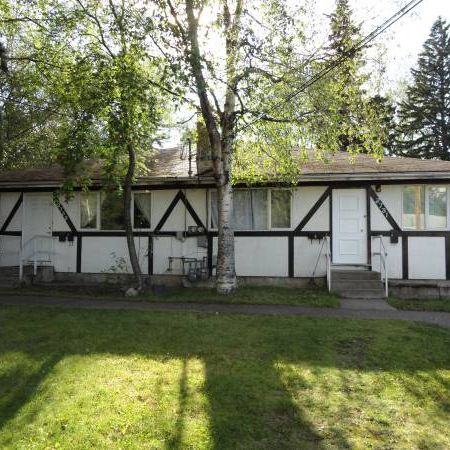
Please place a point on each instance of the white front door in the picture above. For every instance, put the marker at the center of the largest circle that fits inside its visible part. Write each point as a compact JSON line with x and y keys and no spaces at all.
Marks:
{"x":37,"y":216}
{"x":349,"y":226}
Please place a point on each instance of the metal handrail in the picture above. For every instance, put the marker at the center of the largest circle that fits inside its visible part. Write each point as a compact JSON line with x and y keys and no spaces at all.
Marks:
{"x":384,"y":261}
{"x":35,"y":250}
{"x":328,"y":256}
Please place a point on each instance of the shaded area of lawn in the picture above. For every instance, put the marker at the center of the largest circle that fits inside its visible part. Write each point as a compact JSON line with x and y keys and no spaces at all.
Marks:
{"x":319,"y":297}
{"x":124,"y":379}
{"x":434,"y":304}
{"x":253,"y":295}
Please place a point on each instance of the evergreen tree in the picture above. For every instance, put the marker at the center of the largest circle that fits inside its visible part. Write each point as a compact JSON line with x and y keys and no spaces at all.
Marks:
{"x":424,"y":115}
{"x":355,"y":112}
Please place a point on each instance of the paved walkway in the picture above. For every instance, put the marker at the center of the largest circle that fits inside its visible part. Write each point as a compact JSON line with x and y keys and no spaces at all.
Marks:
{"x":435,"y":318}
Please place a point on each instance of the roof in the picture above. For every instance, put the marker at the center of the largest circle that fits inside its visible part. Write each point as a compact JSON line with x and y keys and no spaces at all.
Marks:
{"x":171,"y":166}
{"x":342,"y":163}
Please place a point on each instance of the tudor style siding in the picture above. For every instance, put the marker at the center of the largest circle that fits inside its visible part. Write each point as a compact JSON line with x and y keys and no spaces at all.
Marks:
{"x":280,"y":253}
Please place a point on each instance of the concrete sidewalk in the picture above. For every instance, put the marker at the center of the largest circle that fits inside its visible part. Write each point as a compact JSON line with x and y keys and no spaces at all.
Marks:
{"x":435,"y":318}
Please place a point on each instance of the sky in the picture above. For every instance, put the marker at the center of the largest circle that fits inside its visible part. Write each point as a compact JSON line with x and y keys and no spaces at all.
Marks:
{"x":399,"y":45}
{"x":404,"y":40}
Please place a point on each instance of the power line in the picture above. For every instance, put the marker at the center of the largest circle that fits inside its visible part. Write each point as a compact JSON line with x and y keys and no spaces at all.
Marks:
{"x":358,"y":46}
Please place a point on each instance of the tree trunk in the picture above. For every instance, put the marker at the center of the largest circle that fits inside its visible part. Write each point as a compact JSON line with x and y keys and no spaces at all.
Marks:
{"x":128,"y":222}
{"x":226,"y":273}
{"x":221,"y":145}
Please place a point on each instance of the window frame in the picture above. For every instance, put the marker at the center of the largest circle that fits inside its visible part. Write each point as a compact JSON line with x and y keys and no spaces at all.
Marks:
{"x":426,"y":207}
{"x":132,"y":209}
{"x":269,"y":210}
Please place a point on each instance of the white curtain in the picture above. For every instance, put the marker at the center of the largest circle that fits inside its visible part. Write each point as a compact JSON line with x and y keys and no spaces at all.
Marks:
{"x":249,"y":209}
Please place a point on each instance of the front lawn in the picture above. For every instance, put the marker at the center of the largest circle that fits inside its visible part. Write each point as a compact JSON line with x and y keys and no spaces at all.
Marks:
{"x":314,"y":296}
{"x":77,"y":379}
{"x":434,"y":304}
{"x":252,"y":295}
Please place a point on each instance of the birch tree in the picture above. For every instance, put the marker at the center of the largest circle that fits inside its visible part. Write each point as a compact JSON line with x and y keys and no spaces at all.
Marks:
{"x":95,"y":61}
{"x":244,"y":61}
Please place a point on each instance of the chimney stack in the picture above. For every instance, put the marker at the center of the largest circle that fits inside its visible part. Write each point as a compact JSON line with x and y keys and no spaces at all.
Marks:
{"x":204,"y":155}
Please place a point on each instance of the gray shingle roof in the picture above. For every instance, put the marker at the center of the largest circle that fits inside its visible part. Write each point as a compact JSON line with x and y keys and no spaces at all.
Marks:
{"x":169,"y":165}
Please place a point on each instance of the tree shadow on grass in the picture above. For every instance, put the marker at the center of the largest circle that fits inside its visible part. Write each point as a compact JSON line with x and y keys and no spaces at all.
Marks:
{"x":19,"y":385}
{"x":249,"y":404}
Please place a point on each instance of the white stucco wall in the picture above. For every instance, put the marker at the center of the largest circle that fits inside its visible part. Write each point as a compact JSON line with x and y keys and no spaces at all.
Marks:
{"x":426,"y":258}
{"x":307,"y":253}
{"x":72,"y":207}
{"x":304,"y":200}
{"x":261,"y":256}
{"x":391,"y":196}
{"x":394,"y":259}
{"x":7,"y":202}
{"x":110,"y":254}
{"x":166,"y":246}
{"x":10,"y":245}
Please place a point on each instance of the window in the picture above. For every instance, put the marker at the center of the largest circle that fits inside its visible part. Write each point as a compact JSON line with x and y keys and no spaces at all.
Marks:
{"x":88,"y":210}
{"x":111,"y":215}
{"x":251,"y":209}
{"x":424,"y":207}
{"x":436,"y":207}
{"x":142,"y":210}
{"x":280,"y":208}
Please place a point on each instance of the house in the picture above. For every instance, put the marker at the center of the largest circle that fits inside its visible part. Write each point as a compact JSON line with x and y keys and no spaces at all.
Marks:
{"x":365,"y":213}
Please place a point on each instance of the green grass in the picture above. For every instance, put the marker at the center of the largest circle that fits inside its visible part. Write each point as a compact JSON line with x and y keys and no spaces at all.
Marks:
{"x":77,"y":379}
{"x":318,"y":297}
{"x":253,"y":295}
{"x":434,"y":304}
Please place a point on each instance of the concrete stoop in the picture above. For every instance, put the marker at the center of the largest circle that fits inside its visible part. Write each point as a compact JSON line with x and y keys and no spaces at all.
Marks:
{"x":357,"y":284}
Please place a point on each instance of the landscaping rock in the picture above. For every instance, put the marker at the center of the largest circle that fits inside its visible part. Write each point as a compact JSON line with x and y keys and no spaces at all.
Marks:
{"x":131,"y":292}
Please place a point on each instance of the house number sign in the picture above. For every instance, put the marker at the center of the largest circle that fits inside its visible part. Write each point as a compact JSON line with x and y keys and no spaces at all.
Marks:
{"x":381,"y":207}
{"x":63,"y":212}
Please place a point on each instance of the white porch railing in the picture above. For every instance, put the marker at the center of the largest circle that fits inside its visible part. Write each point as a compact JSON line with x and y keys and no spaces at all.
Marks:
{"x":38,"y":250}
{"x":382,"y":253}
{"x":328,"y":256}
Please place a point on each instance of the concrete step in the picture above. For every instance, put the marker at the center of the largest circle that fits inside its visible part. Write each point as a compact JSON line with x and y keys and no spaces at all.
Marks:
{"x":361,"y":293}
{"x":347,"y":284}
{"x":354,"y":275}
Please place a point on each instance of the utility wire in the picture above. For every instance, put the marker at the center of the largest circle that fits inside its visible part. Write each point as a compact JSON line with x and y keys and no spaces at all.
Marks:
{"x":349,"y":54}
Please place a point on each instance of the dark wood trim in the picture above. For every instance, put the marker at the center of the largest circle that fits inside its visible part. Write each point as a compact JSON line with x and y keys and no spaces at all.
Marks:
{"x":405,"y":258}
{"x":313,"y":210}
{"x":10,"y":233}
{"x":196,"y":184}
{"x":411,"y":233}
{"x":150,"y":255}
{"x":291,"y":255}
{"x":383,"y":209}
{"x":179,"y":196}
{"x":168,"y":211}
{"x":276,"y":233}
{"x":249,"y":233}
{"x":79,"y":251}
{"x":368,"y":222}
{"x":12,"y":214}
{"x":191,"y":210}
{"x":210,"y":254}
{"x":118,"y":233}
{"x":63,"y":212}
